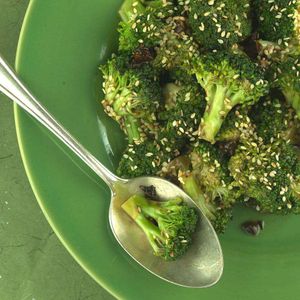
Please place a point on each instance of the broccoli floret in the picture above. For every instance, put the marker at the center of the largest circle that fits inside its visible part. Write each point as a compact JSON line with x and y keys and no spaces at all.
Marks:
{"x":267,"y":174}
{"x":132,"y":97}
{"x":149,"y":157}
{"x":204,"y":176}
{"x":162,"y":30}
{"x":285,"y":75}
{"x":168,"y":225}
{"x":218,"y":215}
{"x":210,"y":166}
{"x":236,"y":127}
{"x":228,"y":79}
{"x":145,"y":29}
{"x":176,"y":48}
{"x":278,"y":21}
{"x":231,"y":129}
{"x":219,"y":23}
{"x":273,"y":117}
{"x":184,"y":107}
{"x":131,"y":8}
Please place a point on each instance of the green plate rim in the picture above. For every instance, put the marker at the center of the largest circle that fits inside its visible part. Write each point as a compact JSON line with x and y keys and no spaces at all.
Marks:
{"x":16,"y":110}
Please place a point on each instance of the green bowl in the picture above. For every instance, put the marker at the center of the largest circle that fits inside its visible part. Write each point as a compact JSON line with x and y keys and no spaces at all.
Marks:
{"x":61,"y":46}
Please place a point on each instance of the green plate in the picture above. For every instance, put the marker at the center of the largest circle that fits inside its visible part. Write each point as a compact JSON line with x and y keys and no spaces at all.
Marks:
{"x":61,"y":45}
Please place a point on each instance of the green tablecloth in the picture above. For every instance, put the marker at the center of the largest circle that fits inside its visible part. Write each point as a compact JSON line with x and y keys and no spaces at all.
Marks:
{"x":33,"y":263}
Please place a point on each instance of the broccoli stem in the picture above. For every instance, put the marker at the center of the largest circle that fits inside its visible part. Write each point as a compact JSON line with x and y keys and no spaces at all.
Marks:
{"x":220,"y":101}
{"x":132,"y":208}
{"x":132,"y":129}
{"x":214,"y":114}
{"x":131,"y":124}
{"x":293,"y":98}
{"x":126,"y":11}
{"x":191,"y":187}
{"x":151,"y":207}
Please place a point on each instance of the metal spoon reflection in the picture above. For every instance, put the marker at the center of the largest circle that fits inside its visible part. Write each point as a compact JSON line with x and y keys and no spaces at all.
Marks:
{"x":201,"y":266}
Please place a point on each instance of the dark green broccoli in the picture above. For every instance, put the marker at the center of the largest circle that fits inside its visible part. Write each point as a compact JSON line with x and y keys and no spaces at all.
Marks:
{"x":228,"y":79}
{"x":176,"y":48}
{"x":219,"y":23}
{"x":213,"y":209}
{"x":273,"y":117}
{"x":163,"y":31}
{"x":145,"y":29}
{"x":130,"y":9}
{"x":184,"y":108}
{"x":178,"y":124}
{"x":267,"y":174}
{"x":204,"y":176}
{"x":132,"y":97}
{"x":278,"y":21}
{"x":236,"y":127}
{"x":148,"y":158}
{"x":232,"y":127}
{"x":168,"y":225}
{"x":284,"y":74}
{"x":210,"y":166}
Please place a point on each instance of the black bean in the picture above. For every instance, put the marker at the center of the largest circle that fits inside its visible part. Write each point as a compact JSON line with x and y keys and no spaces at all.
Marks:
{"x":253,"y":227}
{"x":149,"y":191}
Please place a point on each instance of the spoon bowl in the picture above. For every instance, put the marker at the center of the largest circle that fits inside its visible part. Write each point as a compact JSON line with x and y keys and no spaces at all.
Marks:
{"x":201,"y":266}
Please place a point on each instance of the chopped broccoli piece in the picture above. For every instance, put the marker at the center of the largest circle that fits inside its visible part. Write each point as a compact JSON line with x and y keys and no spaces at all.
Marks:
{"x":219,"y":23}
{"x":267,"y":174}
{"x":148,"y":157}
{"x":164,"y":31}
{"x":218,"y":215}
{"x":278,"y":21}
{"x":176,"y":48}
{"x":273,"y":117}
{"x":204,"y":176}
{"x":211,"y":168}
{"x":168,"y":225}
{"x":145,"y":29}
{"x":228,"y":79}
{"x":236,"y":127}
{"x":231,"y":128}
{"x":131,"y":8}
{"x":185,"y":105}
{"x":285,"y":75}
{"x":132,"y":97}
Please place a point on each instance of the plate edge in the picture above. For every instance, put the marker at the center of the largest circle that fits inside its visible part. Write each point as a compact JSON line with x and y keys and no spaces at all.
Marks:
{"x":16,"y":113}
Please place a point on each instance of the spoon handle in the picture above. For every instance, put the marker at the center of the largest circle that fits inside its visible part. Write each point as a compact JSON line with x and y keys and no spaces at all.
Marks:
{"x":13,"y":88}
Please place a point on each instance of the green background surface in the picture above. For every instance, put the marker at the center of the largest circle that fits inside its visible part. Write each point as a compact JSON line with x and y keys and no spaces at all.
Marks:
{"x":33,"y":263}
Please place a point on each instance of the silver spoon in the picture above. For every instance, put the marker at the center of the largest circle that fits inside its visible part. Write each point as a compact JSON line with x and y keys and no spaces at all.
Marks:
{"x":201,"y":266}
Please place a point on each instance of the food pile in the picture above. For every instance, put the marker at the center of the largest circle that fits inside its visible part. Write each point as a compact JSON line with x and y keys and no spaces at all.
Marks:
{"x":208,"y":95}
